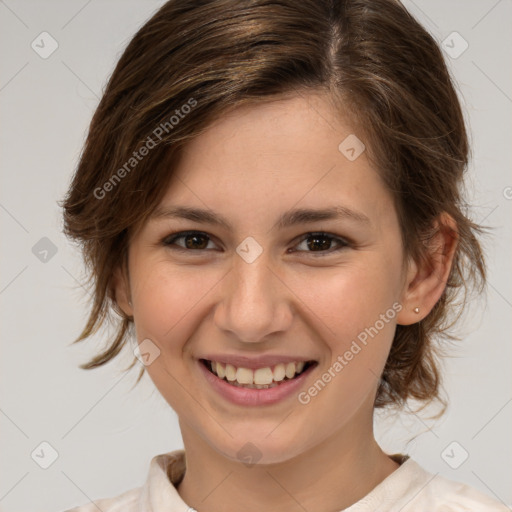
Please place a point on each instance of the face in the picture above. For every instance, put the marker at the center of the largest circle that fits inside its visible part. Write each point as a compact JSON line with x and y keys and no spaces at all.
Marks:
{"x":262,"y":287}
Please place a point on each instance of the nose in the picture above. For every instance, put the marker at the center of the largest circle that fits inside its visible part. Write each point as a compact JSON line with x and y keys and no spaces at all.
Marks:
{"x":254,"y":303}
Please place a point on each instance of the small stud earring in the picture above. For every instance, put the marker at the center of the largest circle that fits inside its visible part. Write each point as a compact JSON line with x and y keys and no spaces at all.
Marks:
{"x":130,"y":303}
{"x":416,"y":310}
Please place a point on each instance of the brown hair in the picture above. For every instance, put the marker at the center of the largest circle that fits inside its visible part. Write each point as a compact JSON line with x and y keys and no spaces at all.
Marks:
{"x":371,"y":56}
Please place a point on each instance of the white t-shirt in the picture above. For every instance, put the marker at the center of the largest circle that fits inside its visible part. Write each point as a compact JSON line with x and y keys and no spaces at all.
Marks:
{"x":408,"y":489}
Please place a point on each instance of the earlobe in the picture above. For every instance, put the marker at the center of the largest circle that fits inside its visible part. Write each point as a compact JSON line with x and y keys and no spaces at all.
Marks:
{"x":426,"y":279}
{"x":121,"y":292}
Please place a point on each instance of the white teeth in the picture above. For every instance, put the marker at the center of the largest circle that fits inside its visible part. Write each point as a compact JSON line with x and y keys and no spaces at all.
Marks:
{"x":260,"y":378}
{"x":244,"y":376}
{"x":230,"y":372}
{"x":263,"y":376}
{"x":220,"y":370}
{"x":290,"y":370}
{"x":279,"y":372}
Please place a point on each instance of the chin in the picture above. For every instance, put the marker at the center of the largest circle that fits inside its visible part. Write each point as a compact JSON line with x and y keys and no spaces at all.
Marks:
{"x":259,"y":449}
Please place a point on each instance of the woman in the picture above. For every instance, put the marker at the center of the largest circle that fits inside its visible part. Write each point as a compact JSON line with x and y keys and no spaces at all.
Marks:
{"x":269,"y":199}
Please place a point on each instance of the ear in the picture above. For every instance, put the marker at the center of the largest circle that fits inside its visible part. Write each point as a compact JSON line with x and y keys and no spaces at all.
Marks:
{"x":121,"y":290}
{"x":426,"y":280}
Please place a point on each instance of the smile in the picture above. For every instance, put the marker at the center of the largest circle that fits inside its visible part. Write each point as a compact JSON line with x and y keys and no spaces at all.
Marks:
{"x":260,"y":378}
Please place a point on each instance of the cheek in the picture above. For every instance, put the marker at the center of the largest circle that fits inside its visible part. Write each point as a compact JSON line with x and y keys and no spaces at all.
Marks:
{"x":346,"y":300}
{"x":166,"y":297}
{"x":355,"y":311}
{"x":168,"y":304}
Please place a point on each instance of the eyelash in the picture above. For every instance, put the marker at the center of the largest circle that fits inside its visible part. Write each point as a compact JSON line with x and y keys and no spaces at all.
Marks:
{"x":169,"y":240}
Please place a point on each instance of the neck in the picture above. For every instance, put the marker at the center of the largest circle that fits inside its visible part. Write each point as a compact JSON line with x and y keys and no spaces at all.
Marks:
{"x":330,"y":476}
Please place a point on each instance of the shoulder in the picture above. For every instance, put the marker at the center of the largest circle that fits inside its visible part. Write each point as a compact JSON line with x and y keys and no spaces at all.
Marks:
{"x":125,"y":502}
{"x":435,"y":493}
{"x":157,"y":493}
{"x":453,"y":496}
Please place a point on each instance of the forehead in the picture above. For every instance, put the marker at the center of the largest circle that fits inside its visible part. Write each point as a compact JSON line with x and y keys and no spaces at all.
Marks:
{"x":265,"y":158}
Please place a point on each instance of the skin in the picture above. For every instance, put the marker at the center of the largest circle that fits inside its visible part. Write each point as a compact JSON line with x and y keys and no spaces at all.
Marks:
{"x":250,"y":167}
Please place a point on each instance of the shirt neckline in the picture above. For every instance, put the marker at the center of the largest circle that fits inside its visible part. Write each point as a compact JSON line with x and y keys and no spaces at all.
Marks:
{"x":167,"y":471}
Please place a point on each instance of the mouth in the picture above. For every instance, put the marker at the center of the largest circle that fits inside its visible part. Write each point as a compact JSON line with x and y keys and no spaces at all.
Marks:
{"x":260,"y":378}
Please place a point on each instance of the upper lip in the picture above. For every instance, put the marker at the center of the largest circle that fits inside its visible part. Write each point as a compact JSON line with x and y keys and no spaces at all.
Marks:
{"x":254,"y":362}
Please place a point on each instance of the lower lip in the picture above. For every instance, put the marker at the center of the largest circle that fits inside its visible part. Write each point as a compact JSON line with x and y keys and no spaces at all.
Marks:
{"x":252,"y":396}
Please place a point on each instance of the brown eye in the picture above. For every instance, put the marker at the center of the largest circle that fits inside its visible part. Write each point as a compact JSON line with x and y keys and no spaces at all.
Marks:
{"x":191,"y":240}
{"x":196,"y":241}
{"x":321,"y":243}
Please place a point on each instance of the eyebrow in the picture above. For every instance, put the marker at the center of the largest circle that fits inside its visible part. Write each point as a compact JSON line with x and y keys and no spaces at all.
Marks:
{"x":287,"y":219}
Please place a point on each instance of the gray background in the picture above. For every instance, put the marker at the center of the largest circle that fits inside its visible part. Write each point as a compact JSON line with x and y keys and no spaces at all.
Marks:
{"x":104,"y":432}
